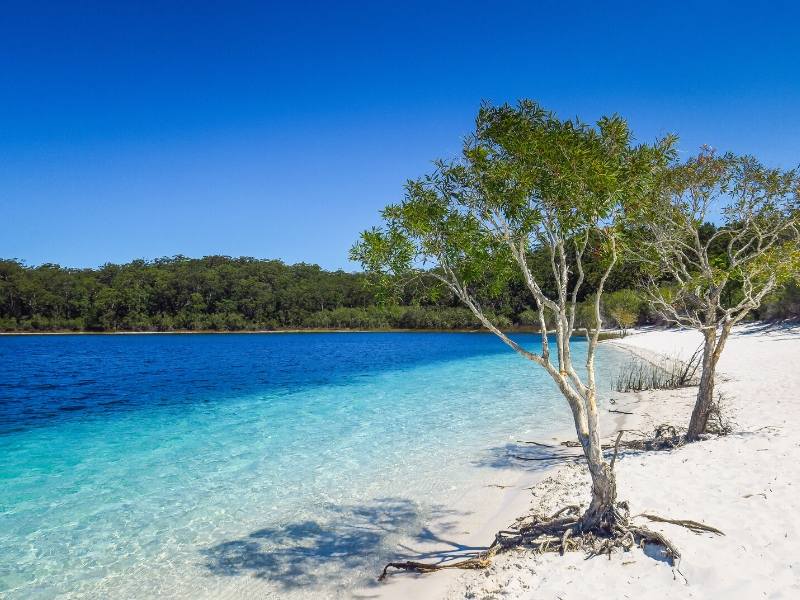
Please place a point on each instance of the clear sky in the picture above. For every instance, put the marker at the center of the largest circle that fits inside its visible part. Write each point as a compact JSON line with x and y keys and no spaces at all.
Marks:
{"x":278,"y":130}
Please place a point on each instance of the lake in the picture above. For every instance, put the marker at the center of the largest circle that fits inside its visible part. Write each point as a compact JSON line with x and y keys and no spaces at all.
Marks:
{"x":194,"y":465}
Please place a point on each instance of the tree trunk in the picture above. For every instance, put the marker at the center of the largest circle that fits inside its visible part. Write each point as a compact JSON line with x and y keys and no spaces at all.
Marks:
{"x":705,"y":394}
{"x":601,"y":513}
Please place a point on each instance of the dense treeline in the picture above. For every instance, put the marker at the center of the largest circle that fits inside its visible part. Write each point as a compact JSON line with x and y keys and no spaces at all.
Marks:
{"x":212,"y":293}
{"x":223,"y":293}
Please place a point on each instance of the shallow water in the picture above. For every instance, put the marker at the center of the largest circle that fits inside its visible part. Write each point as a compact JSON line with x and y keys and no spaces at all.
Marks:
{"x":200,"y":465}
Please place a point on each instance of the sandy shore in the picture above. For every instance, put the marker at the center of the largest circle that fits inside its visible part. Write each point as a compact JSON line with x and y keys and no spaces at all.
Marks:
{"x":745,"y":484}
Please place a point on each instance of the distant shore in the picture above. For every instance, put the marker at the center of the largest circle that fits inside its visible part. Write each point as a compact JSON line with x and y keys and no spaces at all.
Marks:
{"x":247,"y":331}
{"x":606,"y":334}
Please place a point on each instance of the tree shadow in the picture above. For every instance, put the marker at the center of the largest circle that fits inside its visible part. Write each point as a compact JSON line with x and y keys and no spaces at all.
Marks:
{"x":347,"y":547}
{"x":532,"y":457}
{"x":789,"y":325}
{"x":526,"y":456}
{"x":772,"y":327}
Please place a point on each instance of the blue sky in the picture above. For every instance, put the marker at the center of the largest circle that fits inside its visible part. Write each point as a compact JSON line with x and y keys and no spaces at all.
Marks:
{"x":279,"y":130}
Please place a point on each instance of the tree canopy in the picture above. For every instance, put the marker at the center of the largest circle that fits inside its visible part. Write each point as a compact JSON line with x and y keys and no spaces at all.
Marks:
{"x":718,"y":276}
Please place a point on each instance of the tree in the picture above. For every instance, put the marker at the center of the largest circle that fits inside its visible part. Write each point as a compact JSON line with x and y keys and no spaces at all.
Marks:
{"x":718,"y":275}
{"x":528,"y":183}
{"x":623,"y":307}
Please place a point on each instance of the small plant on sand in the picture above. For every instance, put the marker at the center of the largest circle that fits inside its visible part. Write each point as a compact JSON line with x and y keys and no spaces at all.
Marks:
{"x":529,"y":182}
{"x":670,"y":373}
{"x":719,"y":420}
{"x":718,"y":274}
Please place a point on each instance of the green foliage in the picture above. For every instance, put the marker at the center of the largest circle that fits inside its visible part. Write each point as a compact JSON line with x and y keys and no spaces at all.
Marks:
{"x":526,"y":185}
{"x":189,"y":294}
{"x":529,"y":318}
{"x":212,"y":293}
{"x":219,"y":294}
{"x":720,"y":272}
{"x":624,"y":308}
{"x":782,"y":304}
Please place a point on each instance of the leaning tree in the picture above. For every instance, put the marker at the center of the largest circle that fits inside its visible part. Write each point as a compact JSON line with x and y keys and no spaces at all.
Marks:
{"x":709,"y":277}
{"x":528,"y":182}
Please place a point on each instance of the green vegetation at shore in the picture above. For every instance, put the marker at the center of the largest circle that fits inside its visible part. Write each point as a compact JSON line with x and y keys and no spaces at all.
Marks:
{"x":220,"y":293}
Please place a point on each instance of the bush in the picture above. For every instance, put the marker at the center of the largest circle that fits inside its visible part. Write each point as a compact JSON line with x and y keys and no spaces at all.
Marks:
{"x":624,"y":308}
{"x":402,"y":317}
{"x":502,"y":322}
{"x":530,"y":318}
{"x":783,"y":303}
{"x":373,"y":317}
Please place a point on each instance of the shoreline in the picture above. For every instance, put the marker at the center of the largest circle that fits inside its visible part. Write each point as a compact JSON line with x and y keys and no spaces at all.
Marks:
{"x":514,"y":502}
{"x":481,"y":459}
{"x":741,"y":483}
{"x":606,"y":334}
{"x":249,"y":331}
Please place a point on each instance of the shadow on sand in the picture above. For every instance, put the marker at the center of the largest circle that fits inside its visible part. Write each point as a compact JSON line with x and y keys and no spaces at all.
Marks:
{"x":532,"y":457}
{"x":789,"y":327}
{"x":527,"y":456}
{"x":346,"y":548}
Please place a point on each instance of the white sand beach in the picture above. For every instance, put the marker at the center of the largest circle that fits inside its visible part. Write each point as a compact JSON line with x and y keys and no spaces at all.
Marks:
{"x":745,"y":484}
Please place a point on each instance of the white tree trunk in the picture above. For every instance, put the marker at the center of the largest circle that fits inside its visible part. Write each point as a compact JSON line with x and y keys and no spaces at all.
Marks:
{"x":712,"y":350}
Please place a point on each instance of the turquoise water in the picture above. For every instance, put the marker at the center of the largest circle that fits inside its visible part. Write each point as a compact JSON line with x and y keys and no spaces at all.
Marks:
{"x":216,"y":466}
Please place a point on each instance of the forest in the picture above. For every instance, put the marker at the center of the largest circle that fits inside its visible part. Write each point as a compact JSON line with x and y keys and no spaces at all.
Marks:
{"x":220,"y":293}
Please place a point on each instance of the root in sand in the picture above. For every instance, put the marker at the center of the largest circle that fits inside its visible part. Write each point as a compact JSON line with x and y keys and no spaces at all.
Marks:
{"x":569,"y":530}
{"x":565,"y":531}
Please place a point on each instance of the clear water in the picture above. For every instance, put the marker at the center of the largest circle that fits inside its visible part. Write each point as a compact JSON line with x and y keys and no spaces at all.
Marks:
{"x":280,"y":465}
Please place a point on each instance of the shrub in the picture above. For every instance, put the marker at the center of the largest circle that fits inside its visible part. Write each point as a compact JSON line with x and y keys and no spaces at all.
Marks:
{"x":530,"y":318}
{"x":781,"y":304}
{"x":623,"y":307}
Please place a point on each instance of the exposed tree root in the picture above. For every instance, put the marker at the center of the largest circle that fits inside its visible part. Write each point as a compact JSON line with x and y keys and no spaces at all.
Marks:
{"x":565,"y":531}
{"x":568,"y":530}
{"x":664,"y":437}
